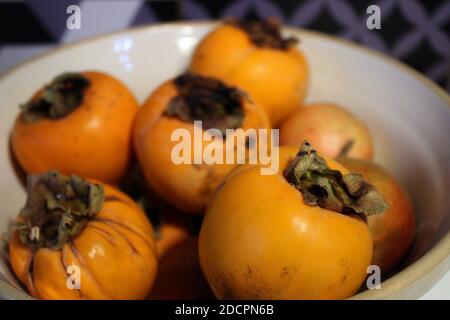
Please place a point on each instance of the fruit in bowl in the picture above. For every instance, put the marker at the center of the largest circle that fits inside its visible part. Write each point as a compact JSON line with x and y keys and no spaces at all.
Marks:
{"x":179,"y":275}
{"x":330,"y":128}
{"x":256,"y":57}
{"x":298,"y":234}
{"x":173,"y":107}
{"x":92,"y":231}
{"x":397,"y":126}
{"x":393,"y":231}
{"x":78,"y":124}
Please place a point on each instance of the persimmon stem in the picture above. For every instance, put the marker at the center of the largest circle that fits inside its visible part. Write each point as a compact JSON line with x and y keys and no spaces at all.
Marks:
{"x":209,"y":100}
{"x":63,"y":95}
{"x":330,"y":189}
{"x":57,"y":209}
{"x":265,"y":34}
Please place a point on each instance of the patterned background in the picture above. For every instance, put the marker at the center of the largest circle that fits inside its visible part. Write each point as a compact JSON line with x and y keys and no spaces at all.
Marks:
{"x":417,"y":32}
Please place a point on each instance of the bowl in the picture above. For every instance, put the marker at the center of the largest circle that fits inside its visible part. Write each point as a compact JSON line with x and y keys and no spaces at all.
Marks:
{"x":408,"y":115}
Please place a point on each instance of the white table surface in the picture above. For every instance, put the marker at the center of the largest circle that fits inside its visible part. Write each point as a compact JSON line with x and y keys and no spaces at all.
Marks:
{"x":441,"y":291}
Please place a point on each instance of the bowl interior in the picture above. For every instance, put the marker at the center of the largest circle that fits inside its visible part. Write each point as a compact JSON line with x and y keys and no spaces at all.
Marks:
{"x":410,"y":121}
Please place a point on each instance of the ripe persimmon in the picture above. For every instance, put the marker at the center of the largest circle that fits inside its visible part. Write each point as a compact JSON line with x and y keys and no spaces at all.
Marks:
{"x":256,"y":57}
{"x":392,"y":231}
{"x":78,"y":124}
{"x":332,"y":130}
{"x":298,"y":234}
{"x":179,"y":275}
{"x":77,"y":239}
{"x":174,"y":106}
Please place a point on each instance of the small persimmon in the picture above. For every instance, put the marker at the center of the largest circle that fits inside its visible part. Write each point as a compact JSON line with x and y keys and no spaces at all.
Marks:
{"x":298,"y":234}
{"x":392,"y":231}
{"x":76,"y":239}
{"x":179,"y":275}
{"x":79,"y":124}
{"x":174,"y":106}
{"x":332,"y":130}
{"x":255,"y":56}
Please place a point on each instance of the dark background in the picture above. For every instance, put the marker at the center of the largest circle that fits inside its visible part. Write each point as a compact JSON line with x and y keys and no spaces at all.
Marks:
{"x":415,"y":31}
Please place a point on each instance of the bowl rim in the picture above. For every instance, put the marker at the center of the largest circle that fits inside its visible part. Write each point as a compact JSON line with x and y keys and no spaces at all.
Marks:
{"x":425,"y":264}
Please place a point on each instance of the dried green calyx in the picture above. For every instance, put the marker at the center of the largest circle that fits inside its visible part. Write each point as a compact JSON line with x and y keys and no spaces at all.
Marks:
{"x":266,"y":33}
{"x":57,"y":209}
{"x":209,"y":100}
{"x":330,"y":189}
{"x":63,"y":95}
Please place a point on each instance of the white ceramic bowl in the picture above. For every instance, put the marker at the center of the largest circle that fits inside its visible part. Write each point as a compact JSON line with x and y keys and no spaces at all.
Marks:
{"x":408,"y":115}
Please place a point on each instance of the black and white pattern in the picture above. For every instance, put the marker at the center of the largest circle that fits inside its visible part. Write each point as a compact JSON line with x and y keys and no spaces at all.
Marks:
{"x":415,"y":31}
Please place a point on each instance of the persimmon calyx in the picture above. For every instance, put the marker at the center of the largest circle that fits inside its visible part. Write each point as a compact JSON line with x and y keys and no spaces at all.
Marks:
{"x":57,"y":209}
{"x":63,"y":95}
{"x":209,"y":100}
{"x":330,"y":189}
{"x":265,"y":34}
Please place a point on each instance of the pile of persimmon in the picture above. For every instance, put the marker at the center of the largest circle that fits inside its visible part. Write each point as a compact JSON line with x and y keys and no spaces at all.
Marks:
{"x":110,"y":215}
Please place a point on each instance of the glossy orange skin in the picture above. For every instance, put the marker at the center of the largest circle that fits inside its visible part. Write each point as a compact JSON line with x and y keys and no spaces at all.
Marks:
{"x":116,"y":254}
{"x":276,"y":79}
{"x":92,"y":141}
{"x":393,"y":231}
{"x":185,"y":186}
{"x":179,"y":275}
{"x":259,"y":240}
{"x":328,"y":127}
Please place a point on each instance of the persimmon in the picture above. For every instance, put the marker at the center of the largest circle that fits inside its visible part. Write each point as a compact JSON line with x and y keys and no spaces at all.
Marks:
{"x":331,"y":129}
{"x":179,"y":275}
{"x":256,"y":57}
{"x":393,"y":230}
{"x":78,"y":124}
{"x":173,"y":108}
{"x":298,"y":234}
{"x":71,"y":227}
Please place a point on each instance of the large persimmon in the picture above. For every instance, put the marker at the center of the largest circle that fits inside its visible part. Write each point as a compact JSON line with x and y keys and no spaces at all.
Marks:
{"x":298,"y":234}
{"x":78,"y":124}
{"x":257,"y":58}
{"x":173,"y":107}
{"x":77,"y":239}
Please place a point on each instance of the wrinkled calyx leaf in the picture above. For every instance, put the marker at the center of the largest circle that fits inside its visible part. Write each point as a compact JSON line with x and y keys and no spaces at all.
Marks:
{"x":329,"y":189}
{"x":209,"y":100}
{"x":63,"y":95}
{"x":266,"y":33}
{"x":57,"y":209}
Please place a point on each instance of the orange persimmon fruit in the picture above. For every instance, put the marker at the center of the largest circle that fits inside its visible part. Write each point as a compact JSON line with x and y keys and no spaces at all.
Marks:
{"x":78,"y":124}
{"x":332,"y":130}
{"x":179,"y":275}
{"x":392,"y":231}
{"x":255,"y":56}
{"x":297,"y":234}
{"x":77,"y":239}
{"x":174,"y":106}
